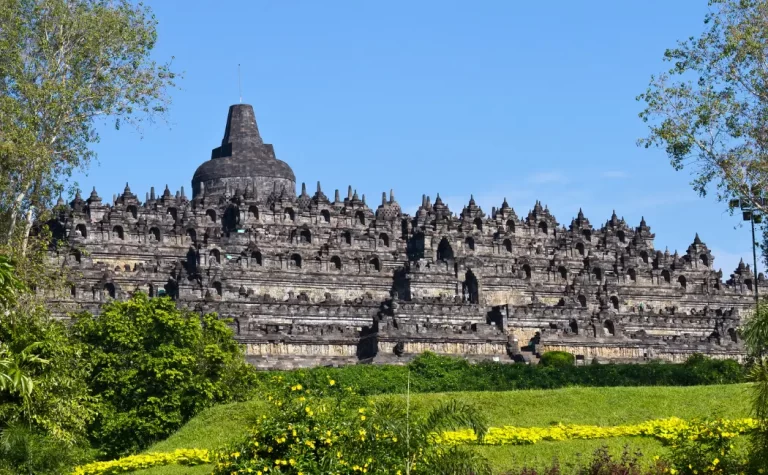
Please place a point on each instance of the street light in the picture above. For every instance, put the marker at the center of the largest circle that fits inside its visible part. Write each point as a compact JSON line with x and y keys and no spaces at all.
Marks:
{"x":753,"y":215}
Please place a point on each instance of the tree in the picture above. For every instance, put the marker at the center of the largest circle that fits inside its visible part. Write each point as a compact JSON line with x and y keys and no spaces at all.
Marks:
{"x":44,"y":402}
{"x":755,"y":336}
{"x":709,"y":111}
{"x":154,"y":366}
{"x":63,"y":65}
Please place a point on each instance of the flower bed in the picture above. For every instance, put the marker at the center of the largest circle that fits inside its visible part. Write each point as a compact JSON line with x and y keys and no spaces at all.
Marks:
{"x":142,"y":461}
{"x":664,"y":429}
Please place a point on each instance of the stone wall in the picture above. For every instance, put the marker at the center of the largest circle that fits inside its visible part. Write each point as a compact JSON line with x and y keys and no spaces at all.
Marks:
{"x":334,"y":280}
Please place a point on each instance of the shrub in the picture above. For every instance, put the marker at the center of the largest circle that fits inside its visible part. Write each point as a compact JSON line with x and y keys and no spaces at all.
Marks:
{"x":143,"y":461}
{"x":557,"y":359}
{"x":153,"y":367}
{"x":665,"y":430}
{"x":708,"y":447}
{"x":434,"y":373}
{"x":343,"y":433}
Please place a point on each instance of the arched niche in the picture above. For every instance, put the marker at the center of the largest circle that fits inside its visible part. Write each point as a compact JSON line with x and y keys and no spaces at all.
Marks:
{"x":374,"y":264}
{"x":81,"y":230}
{"x":470,"y":288}
{"x":335,"y":263}
{"x":444,"y":251}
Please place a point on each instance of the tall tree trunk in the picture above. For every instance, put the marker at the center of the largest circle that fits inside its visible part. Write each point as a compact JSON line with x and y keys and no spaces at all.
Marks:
{"x":14,"y":212}
{"x":27,"y":229}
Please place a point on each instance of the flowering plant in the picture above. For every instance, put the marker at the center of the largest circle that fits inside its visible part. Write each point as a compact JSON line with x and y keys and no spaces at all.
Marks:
{"x":342,"y":433}
{"x":142,"y":461}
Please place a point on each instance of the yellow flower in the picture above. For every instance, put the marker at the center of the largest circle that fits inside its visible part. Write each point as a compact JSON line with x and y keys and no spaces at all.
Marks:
{"x":331,"y":382}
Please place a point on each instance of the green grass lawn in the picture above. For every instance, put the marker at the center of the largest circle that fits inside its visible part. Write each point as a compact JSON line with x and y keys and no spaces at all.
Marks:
{"x":599,"y":406}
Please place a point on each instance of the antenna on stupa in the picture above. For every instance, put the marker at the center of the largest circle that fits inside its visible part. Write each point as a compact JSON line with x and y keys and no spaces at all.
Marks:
{"x":239,"y":84}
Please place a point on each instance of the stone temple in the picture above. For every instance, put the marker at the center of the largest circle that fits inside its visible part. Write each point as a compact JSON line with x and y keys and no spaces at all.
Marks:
{"x":310,"y":279}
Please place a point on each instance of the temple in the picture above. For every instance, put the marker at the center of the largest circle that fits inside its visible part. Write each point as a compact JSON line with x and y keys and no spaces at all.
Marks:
{"x":312,"y":280}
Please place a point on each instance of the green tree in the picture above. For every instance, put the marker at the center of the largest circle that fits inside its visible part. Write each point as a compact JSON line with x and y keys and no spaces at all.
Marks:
{"x":755,"y":335}
{"x":154,"y":366}
{"x":64,"y":64}
{"x":709,"y":111}
{"x":44,"y":402}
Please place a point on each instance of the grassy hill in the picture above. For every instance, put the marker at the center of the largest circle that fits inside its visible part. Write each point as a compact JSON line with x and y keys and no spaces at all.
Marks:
{"x":599,"y":406}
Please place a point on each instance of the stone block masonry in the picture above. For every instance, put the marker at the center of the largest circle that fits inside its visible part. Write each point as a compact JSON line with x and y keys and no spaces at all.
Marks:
{"x":309,"y":280}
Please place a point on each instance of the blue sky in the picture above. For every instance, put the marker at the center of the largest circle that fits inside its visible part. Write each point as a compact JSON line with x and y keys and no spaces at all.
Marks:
{"x":524,"y":100}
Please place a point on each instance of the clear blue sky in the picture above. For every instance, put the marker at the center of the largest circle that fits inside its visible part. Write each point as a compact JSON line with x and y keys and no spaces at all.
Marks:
{"x":528,"y":100}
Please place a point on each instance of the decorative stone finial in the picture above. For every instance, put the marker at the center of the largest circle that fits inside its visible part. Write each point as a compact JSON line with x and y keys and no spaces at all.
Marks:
{"x":127,"y":188}
{"x":337,"y":196}
{"x":383,"y":198}
{"x":349,"y":192}
{"x":152,"y":193}
{"x":319,"y":190}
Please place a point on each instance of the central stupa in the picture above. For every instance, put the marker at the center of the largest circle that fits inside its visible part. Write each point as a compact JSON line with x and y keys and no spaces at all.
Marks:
{"x":244,"y":161}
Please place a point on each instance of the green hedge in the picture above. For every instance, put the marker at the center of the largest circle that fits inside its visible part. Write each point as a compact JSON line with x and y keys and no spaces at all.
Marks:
{"x":557,"y":359}
{"x":433,"y":373}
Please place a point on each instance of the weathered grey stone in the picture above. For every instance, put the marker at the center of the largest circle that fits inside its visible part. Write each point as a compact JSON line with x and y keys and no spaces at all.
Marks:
{"x":309,"y":281}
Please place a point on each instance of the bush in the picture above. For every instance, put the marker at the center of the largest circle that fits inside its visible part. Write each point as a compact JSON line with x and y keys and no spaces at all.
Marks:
{"x":153,"y":367}
{"x":433,"y":373}
{"x":133,"y":463}
{"x":343,"y":433}
{"x":557,"y":359}
{"x":708,"y":447}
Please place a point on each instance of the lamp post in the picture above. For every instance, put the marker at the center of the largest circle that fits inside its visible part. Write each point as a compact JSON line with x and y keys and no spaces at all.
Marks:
{"x":750,"y":213}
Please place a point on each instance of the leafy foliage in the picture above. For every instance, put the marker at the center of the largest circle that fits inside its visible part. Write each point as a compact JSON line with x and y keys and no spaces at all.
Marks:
{"x":708,"y":447}
{"x":65,"y":64}
{"x":433,"y":373}
{"x":710,"y":109}
{"x":666,"y":430}
{"x":10,"y":284}
{"x":342,"y":432}
{"x":154,"y":366}
{"x":557,"y":359}
{"x":131,"y":463}
{"x":44,"y":401}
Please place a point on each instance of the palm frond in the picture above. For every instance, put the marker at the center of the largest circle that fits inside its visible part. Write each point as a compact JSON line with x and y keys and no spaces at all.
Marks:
{"x":453,"y":415}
